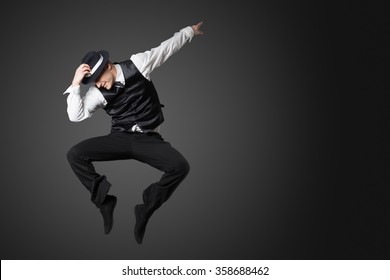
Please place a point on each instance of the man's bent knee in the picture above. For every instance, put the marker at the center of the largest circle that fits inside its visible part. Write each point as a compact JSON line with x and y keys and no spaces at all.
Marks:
{"x":73,"y":154}
{"x":182,"y":168}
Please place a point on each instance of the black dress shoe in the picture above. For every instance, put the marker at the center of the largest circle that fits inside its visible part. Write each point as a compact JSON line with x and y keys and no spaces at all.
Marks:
{"x":140,"y":223}
{"x":107,"y":210}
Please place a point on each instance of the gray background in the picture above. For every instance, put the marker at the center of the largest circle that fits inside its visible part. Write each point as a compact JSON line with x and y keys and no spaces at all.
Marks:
{"x":280,"y":108}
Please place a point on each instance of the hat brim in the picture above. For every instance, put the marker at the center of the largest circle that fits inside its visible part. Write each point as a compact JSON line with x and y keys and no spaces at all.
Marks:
{"x":96,"y":74}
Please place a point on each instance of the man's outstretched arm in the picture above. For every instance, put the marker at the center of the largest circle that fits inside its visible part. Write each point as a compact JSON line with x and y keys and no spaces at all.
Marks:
{"x":147,"y":61}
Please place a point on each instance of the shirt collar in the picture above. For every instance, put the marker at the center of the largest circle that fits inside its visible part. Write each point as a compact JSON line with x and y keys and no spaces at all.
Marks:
{"x":119,"y":74}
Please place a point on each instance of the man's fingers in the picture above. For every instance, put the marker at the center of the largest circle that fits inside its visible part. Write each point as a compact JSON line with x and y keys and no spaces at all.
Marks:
{"x":198,"y":26}
{"x":84,"y":69}
{"x":84,"y":66}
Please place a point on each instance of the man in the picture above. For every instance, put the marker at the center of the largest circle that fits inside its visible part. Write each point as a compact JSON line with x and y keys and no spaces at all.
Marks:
{"x":125,"y":91}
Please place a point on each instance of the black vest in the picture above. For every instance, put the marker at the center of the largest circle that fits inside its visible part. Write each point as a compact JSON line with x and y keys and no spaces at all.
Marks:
{"x":137,"y":104}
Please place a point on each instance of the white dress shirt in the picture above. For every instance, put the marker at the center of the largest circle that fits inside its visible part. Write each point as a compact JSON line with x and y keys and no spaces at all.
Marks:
{"x":80,"y":108}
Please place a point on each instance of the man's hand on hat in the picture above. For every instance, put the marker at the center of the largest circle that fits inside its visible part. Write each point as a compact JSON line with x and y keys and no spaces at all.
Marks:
{"x":197,"y":27}
{"x":80,"y":73}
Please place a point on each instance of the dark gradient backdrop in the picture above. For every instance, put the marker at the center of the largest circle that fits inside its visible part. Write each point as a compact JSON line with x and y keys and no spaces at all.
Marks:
{"x":281,"y":109}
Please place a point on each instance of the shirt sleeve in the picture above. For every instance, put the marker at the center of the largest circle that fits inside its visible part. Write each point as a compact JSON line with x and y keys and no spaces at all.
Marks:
{"x":147,"y":61}
{"x":80,"y":108}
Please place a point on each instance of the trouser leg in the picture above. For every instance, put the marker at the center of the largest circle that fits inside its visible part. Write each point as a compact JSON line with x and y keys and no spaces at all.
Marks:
{"x":153,"y":150}
{"x":102,"y":148}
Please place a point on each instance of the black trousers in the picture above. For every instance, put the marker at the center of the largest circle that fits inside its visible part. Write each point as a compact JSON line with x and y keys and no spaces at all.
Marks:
{"x":149,"y":148}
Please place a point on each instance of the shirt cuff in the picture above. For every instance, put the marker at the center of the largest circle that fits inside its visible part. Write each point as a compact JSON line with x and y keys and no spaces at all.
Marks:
{"x":189,"y":32}
{"x":72,"y":89}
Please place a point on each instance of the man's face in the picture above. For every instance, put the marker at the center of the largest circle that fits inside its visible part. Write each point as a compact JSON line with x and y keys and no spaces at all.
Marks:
{"x":106,"y":79}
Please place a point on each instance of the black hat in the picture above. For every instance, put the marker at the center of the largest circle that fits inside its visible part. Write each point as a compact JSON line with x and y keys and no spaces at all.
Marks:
{"x":97,"y":61}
